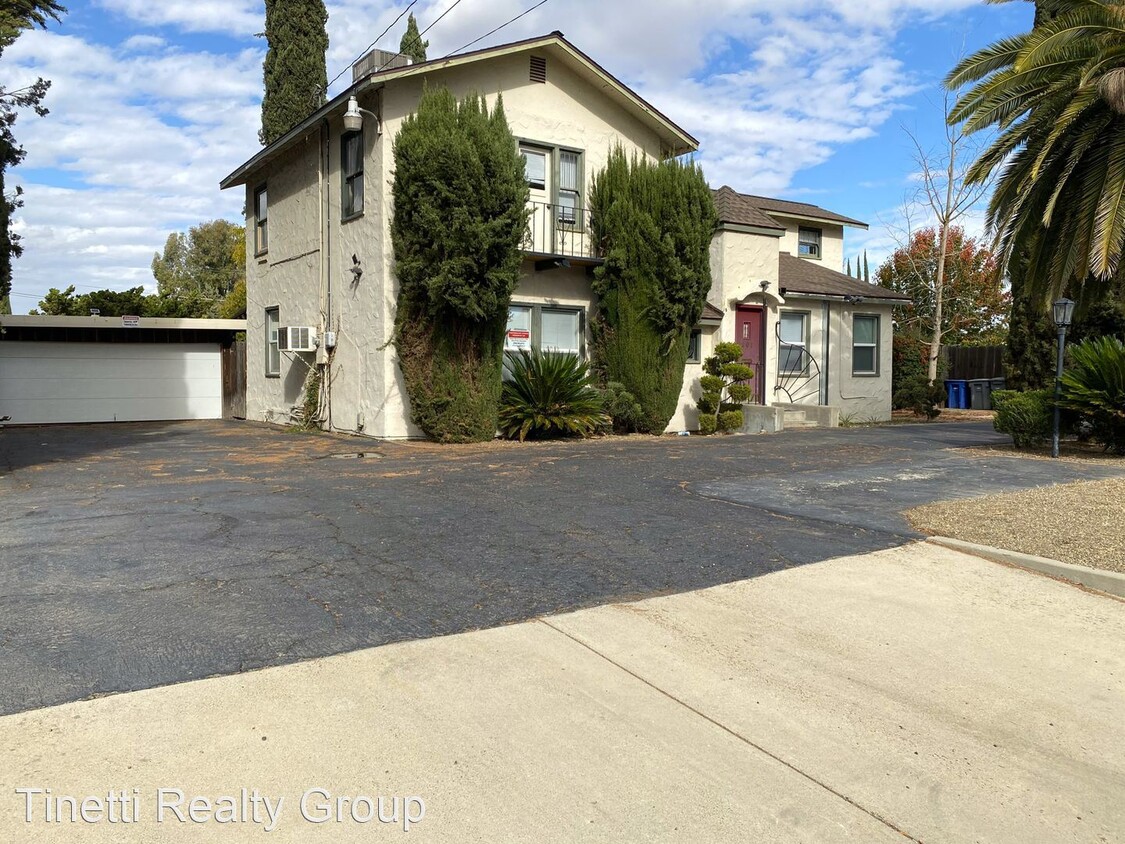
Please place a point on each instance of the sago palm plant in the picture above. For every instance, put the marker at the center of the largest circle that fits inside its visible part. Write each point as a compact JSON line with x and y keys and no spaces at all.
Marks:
{"x":549,"y":395}
{"x":1094,"y":385}
{"x":1056,"y":95}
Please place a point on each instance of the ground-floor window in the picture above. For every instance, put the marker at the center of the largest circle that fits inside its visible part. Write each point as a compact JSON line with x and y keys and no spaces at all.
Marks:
{"x":794,"y":341}
{"x":865,"y":344}
{"x":273,"y":352}
{"x":546,"y":327}
{"x":695,"y":346}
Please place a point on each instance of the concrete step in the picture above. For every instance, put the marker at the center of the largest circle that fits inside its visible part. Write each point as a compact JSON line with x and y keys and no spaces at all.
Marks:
{"x":802,"y":424}
{"x":794,"y":416}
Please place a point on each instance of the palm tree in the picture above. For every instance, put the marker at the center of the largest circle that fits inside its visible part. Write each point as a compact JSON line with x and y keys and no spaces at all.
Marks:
{"x":1056,"y":95}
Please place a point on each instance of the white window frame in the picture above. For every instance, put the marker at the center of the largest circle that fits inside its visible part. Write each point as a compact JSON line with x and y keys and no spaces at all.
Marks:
{"x":527,"y":150}
{"x":273,"y":349}
{"x":862,"y":373}
{"x":816,"y":243}
{"x":806,"y":320}
{"x":535,"y":322}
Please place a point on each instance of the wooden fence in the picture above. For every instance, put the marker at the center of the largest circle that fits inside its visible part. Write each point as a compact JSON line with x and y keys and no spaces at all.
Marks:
{"x":234,"y":380}
{"x":963,"y":363}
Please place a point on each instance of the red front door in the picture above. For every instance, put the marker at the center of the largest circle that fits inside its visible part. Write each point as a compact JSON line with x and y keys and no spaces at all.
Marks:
{"x":749,"y":326}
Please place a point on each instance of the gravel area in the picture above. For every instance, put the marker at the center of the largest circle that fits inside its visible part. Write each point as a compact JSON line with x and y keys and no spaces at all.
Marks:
{"x":1080,"y":523}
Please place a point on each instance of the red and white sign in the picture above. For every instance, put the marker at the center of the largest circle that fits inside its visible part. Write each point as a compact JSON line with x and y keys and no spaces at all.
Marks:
{"x":130,"y":321}
{"x":519,"y":338}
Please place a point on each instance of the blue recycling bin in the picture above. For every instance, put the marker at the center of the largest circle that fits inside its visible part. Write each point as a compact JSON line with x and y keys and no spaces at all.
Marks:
{"x":957,"y":394}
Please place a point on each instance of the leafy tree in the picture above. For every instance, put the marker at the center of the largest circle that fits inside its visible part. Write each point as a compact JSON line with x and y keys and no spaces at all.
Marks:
{"x":203,"y":265}
{"x":296,"y":77}
{"x":15,"y":17}
{"x":655,"y":222}
{"x":412,"y":44}
{"x":975,"y":307}
{"x":460,"y":212}
{"x":1056,"y":98}
{"x":114,"y":303}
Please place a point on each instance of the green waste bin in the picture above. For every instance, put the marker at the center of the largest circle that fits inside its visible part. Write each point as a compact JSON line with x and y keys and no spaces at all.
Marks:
{"x":980,"y":393}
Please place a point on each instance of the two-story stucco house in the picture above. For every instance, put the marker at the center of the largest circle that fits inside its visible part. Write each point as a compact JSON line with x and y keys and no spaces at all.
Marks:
{"x":319,"y":253}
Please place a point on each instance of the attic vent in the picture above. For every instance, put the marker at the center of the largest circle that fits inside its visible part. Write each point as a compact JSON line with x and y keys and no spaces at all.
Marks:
{"x":538,"y":69}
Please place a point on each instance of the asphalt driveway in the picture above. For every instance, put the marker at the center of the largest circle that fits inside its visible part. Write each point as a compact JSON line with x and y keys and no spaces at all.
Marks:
{"x":137,"y":555}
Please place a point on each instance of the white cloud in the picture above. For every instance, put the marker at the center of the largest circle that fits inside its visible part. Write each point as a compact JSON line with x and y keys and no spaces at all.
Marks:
{"x":141,"y":131}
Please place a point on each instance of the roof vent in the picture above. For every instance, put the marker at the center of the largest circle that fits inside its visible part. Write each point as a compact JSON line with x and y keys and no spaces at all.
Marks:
{"x":378,"y":60}
{"x":538,"y":69}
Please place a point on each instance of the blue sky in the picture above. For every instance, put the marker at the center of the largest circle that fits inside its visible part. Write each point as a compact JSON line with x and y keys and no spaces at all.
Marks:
{"x":152,"y":103}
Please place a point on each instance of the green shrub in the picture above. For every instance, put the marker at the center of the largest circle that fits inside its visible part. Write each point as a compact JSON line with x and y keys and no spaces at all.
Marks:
{"x":1094,"y":386}
{"x":624,"y":411}
{"x":1026,"y":417}
{"x":655,"y":222}
{"x":722,"y":394}
{"x":919,"y":396}
{"x":549,"y":395}
{"x":460,"y":213}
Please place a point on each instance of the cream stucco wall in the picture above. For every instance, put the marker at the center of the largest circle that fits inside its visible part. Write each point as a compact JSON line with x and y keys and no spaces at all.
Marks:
{"x":863,"y":397}
{"x":831,"y":240}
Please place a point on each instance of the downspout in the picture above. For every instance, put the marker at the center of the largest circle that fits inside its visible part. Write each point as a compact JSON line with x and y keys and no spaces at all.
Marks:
{"x":325,"y":214}
{"x":826,"y":342}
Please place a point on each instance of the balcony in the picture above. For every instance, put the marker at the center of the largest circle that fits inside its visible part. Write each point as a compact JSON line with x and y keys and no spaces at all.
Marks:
{"x":558,"y":236}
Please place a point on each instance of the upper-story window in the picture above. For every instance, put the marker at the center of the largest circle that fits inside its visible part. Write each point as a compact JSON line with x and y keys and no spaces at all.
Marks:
{"x":808,"y":242}
{"x":570,"y":195}
{"x":535,"y":167}
{"x":351,"y":167}
{"x":261,"y":230}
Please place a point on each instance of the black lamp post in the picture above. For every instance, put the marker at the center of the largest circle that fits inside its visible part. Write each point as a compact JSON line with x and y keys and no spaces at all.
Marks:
{"x":1063,"y":313}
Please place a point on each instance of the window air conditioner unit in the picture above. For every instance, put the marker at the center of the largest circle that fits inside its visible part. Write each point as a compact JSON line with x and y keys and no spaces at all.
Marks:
{"x":296,"y":338}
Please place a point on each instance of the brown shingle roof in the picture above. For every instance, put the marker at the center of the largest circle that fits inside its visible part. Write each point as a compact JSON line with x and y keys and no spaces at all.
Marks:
{"x":735,"y":208}
{"x":798,"y":275}
{"x":749,"y":210}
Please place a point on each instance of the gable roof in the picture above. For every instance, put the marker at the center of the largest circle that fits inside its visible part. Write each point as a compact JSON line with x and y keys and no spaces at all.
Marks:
{"x":678,"y":140}
{"x":749,"y":210}
{"x":799,"y":275}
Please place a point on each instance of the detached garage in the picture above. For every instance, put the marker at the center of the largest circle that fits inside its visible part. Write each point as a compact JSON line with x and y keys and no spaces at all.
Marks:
{"x":119,"y":369}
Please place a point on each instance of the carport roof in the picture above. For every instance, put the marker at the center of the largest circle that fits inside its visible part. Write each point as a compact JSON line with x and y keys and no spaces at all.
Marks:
{"x":100,"y":322}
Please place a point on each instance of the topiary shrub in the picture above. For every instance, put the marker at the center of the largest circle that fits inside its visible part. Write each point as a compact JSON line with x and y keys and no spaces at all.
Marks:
{"x":624,"y":411}
{"x":549,"y":395}
{"x":1027,"y":417}
{"x":1094,"y":386}
{"x":724,"y":390}
{"x":921,"y":397}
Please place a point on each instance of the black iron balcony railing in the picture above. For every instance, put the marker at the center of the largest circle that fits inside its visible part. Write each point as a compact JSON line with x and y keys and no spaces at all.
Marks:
{"x":559,"y":230}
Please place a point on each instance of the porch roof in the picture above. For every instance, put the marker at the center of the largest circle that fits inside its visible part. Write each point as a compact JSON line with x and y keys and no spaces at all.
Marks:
{"x":798,"y":275}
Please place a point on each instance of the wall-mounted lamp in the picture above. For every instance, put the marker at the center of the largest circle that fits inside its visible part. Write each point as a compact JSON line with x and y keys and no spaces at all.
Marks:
{"x":353,"y":117}
{"x":765,"y":285}
{"x":356,"y":270}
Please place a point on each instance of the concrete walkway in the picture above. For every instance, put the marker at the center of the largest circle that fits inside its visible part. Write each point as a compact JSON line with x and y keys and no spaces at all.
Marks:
{"x":911,"y":694}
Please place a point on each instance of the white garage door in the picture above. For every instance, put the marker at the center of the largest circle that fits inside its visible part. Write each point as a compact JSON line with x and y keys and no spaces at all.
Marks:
{"x":109,"y":382}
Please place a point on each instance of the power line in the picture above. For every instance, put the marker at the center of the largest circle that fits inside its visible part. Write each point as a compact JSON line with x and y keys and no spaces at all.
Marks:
{"x":369,"y":46}
{"x":494,"y":31}
{"x":418,"y":39}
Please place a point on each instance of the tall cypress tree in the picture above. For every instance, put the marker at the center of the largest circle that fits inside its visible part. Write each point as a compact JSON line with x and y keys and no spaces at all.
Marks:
{"x":460,"y":213}
{"x":412,"y":44}
{"x":655,"y":222}
{"x":296,"y":77}
{"x":850,"y":267}
{"x":866,"y":268}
